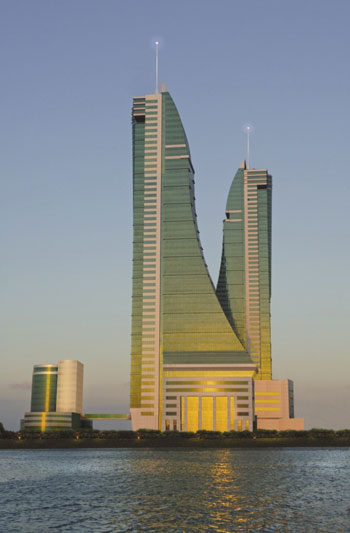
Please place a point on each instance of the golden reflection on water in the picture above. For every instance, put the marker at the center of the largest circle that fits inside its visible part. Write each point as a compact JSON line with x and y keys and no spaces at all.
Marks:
{"x":223,"y":491}
{"x":225,"y":478}
{"x":201,"y":488}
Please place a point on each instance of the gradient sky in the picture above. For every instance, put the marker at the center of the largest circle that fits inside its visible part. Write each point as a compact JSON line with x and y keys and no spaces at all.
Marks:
{"x":69,"y":70}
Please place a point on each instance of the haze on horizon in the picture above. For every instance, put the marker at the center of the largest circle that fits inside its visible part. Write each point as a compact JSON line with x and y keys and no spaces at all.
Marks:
{"x":69,"y":72}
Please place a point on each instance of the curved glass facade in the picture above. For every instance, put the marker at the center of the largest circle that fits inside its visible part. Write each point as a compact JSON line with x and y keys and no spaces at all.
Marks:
{"x":192,"y":318}
{"x":44,"y":388}
{"x":244,"y":285}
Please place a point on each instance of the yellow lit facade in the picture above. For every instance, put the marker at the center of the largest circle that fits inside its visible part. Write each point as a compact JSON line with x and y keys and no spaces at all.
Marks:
{"x":208,"y":399}
{"x":207,"y":413}
{"x":221,"y":413}
{"x":232,"y":413}
{"x":192,"y":413}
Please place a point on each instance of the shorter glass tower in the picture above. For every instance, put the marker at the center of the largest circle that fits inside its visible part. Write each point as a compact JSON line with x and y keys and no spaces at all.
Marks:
{"x":244,"y":285}
{"x":44,"y":388}
{"x":57,"y":397}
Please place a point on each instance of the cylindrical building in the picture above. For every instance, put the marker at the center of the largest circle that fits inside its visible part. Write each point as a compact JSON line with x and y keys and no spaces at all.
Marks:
{"x":44,"y":388}
{"x":70,"y":386}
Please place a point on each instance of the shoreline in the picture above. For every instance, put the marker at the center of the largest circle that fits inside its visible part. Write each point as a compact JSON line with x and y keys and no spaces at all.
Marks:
{"x":42,"y":444}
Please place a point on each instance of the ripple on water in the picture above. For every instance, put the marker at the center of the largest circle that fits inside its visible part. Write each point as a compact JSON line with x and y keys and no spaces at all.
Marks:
{"x":175,"y":490}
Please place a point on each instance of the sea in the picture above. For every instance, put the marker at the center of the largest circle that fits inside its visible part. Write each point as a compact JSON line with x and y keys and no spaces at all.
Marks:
{"x":175,"y":490}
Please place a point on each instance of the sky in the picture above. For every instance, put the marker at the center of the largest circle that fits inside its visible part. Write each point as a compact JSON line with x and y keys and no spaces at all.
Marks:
{"x":69,"y":71}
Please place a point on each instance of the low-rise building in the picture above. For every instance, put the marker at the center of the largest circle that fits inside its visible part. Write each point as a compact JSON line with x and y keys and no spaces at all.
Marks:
{"x":274,"y":405}
{"x":57,"y":397}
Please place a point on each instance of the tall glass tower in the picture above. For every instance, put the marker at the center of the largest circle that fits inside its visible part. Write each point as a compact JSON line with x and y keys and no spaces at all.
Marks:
{"x":244,"y":285}
{"x":244,"y":291}
{"x":189,"y":368}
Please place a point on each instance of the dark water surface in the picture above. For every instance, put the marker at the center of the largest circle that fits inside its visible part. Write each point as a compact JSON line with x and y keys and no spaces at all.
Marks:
{"x":175,"y":490}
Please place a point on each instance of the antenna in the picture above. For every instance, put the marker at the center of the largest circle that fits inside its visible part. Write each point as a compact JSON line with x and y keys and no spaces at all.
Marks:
{"x":248,"y":129}
{"x":248,"y":146}
{"x":157,"y":84}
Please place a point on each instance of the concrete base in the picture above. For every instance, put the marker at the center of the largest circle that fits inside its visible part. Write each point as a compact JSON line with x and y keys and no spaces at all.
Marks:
{"x":139,"y":421}
{"x":53,"y":421}
{"x":281,"y":424}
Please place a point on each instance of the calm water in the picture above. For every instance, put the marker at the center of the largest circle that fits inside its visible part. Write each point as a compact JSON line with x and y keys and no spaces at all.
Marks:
{"x":175,"y":490}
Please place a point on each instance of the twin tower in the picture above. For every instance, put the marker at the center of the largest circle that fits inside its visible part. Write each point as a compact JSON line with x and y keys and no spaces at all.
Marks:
{"x":201,"y":356}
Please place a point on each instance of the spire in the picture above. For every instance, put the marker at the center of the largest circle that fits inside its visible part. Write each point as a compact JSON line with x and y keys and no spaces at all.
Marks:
{"x":243,"y":165}
{"x":157,"y":44}
{"x":163,"y":89}
{"x":248,"y":129}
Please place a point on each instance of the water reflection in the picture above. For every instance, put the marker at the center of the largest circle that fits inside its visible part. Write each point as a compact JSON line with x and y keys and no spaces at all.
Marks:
{"x":175,"y":490}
